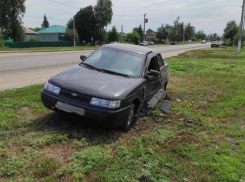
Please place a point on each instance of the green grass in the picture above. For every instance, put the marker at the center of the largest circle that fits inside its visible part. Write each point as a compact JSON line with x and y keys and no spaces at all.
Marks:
{"x":48,"y":49}
{"x":202,"y":138}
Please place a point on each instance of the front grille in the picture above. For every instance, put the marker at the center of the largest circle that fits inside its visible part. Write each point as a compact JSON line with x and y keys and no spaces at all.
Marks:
{"x":80,"y":98}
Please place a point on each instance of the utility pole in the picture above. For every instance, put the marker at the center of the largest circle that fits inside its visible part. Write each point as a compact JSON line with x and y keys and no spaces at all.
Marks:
{"x":144,"y":26}
{"x":240,"y":31}
{"x":74,"y":31}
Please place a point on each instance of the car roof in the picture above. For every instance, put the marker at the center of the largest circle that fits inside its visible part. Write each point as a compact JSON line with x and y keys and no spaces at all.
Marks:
{"x":131,"y":48}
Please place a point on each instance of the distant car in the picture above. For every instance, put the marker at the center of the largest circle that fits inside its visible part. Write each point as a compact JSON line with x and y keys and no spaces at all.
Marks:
{"x":144,"y":43}
{"x":203,"y":42}
{"x":215,"y":44}
{"x":174,"y":43}
{"x":151,"y":43}
{"x":111,"y":87}
{"x":190,"y":40}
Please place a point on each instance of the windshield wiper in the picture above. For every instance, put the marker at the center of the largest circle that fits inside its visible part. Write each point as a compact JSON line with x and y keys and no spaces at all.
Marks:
{"x":92,"y":66}
{"x":113,"y":72}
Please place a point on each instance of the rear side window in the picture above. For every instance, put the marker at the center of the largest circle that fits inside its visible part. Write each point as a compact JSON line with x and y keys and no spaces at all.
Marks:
{"x":160,"y":61}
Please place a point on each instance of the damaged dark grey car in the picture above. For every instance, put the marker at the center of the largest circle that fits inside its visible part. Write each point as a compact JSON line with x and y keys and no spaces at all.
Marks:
{"x":110,"y":87}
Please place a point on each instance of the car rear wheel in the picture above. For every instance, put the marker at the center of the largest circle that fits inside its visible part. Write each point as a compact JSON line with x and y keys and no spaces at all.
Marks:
{"x":129,"y":119}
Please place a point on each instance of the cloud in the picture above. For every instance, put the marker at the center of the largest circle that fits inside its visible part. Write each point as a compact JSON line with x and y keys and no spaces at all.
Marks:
{"x":209,"y":15}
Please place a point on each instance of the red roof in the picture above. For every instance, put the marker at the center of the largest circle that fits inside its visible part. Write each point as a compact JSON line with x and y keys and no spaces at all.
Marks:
{"x":28,"y":31}
{"x":151,"y":34}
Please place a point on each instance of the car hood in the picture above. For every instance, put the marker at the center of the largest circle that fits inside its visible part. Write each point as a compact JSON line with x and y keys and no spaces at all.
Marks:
{"x":96,"y":84}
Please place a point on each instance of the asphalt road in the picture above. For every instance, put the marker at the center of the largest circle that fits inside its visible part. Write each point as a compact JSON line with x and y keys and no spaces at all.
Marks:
{"x":17,"y":61}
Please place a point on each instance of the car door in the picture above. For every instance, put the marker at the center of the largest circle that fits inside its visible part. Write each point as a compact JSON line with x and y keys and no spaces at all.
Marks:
{"x":164,"y":71}
{"x":153,"y":83}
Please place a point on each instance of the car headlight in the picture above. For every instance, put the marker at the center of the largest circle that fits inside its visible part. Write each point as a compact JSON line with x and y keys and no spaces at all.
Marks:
{"x":105,"y":103}
{"x":52,"y":88}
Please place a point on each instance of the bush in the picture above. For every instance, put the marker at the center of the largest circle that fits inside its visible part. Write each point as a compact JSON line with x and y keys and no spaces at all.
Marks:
{"x":227,"y":42}
{"x":1,"y":41}
{"x":133,"y":37}
{"x":69,"y":35}
{"x":34,"y":39}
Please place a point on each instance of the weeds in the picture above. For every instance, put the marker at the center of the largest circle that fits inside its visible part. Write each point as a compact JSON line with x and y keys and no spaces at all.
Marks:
{"x":200,"y":139}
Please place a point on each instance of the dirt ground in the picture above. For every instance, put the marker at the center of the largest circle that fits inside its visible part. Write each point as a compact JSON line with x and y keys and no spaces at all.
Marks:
{"x":40,"y":75}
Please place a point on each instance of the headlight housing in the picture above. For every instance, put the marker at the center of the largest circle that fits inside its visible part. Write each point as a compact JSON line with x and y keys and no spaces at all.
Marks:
{"x":105,"y":103}
{"x":52,"y":88}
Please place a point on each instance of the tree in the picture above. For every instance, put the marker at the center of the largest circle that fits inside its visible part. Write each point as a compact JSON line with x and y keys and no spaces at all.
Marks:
{"x":162,"y":33}
{"x":45,"y":22}
{"x":69,"y":24}
{"x":69,"y":35}
{"x":139,"y":31}
{"x":189,"y":31}
{"x":230,"y":30}
{"x":103,"y":13}
{"x":113,"y":35}
{"x":35,"y":29}
{"x":86,"y":24}
{"x":199,"y":36}
{"x":149,"y":30}
{"x":11,"y":14}
{"x":133,"y":37}
{"x":176,"y":30}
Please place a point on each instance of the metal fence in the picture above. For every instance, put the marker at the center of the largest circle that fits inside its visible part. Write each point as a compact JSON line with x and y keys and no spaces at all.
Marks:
{"x":41,"y":44}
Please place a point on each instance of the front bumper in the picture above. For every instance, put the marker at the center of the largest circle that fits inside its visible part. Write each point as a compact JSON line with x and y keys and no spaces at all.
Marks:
{"x":103,"y":117}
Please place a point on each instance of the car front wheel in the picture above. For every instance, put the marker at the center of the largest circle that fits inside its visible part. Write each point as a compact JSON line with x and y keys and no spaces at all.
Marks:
{"x":129,"y":119}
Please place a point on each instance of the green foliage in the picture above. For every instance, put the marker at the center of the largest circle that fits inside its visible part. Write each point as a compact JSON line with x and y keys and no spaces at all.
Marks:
{"x":10,"y":21}
{"x":199,"y":36}
{"x":1,"y":42}
{"x":34,"y":39}
{"x":133,"y":37}
{"x":45,"y":22}
{"x":44,"y":167}
{"x":35,"y":29}
{"x":140,"y":32}
{"x":230,"y":30}
{"x":162,"y":33}
{"x":193,"y":142}
{"x":113,"y":35}
{"x":12,"y":166}
{"x":103,"y":12}
{"x":86,"y":24}
{"x":69,"y":35}
{"x":149,"y":30}
{"x":80,"y":143}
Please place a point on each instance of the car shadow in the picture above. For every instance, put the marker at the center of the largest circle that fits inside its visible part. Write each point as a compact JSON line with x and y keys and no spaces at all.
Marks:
{"x":75,"y":127}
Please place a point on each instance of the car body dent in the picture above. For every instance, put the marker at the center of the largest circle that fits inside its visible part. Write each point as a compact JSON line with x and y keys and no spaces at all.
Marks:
{"x":81,"y":79}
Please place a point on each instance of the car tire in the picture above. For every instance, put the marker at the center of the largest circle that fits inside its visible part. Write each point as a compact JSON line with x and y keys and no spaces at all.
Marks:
{"x":129,"y":119}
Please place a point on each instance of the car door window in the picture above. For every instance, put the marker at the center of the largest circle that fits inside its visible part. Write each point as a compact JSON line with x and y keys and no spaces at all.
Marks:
{"x":160,"y":61}
{"x":153,"y":64}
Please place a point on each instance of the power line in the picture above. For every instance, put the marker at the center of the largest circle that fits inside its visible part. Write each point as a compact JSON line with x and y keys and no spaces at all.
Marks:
{"x":155,"y":20}
{"x":42,"y":17}
{"x":80,"y":8}
{"x":64,"y":4}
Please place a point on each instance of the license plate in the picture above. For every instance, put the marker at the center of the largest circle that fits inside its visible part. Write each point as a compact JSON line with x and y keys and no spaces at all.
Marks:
{"x":70,"y":109}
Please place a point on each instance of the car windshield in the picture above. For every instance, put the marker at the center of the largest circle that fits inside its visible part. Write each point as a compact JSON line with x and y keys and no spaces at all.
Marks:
{"x":122,"y":62}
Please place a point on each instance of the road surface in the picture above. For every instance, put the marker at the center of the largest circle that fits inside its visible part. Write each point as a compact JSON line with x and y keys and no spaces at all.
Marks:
{"x":23,"y":69}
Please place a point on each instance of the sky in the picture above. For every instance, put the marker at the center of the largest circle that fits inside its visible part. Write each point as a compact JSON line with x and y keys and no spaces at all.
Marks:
{"x":211,"y":16}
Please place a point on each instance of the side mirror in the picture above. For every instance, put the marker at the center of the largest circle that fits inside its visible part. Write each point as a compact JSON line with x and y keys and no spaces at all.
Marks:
{"x":82,"y":57}
{"x":153,"y":73}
